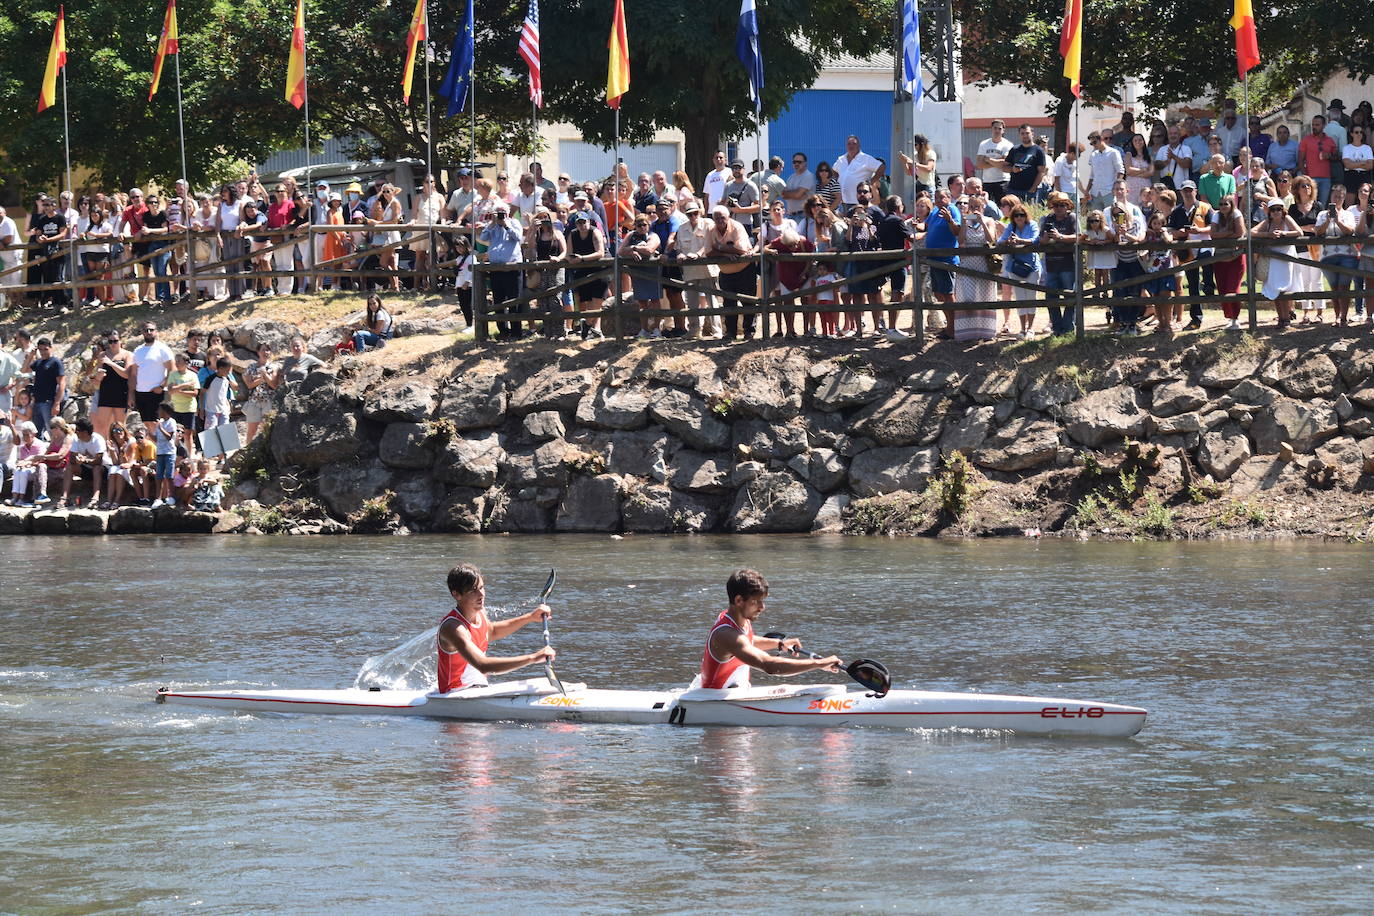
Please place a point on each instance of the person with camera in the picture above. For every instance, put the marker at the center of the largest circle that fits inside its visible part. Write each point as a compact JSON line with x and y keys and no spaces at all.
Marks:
{"x":1337,"y":222}
{"x":502,"y":236}
{"x":741,"y":196}
{"x":1125,"y":226}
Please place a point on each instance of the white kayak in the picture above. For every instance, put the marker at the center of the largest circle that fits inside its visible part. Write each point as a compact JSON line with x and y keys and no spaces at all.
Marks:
{"x":536,"y":700}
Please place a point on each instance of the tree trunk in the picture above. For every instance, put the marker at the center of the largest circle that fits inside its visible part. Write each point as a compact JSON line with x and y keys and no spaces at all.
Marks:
{"x":701,"y":136}
{"x":1063,"y":116}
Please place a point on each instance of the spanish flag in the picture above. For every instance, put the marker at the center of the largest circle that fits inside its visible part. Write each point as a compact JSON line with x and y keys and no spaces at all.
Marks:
{"x":618,"y":72}
{"x":295,"y":69}
{"x":1247,"y":43}
{"x":57,"y":59}
{"x":1071,"y":44}
{"x":419,"y":31}
{"x":166,"y":45}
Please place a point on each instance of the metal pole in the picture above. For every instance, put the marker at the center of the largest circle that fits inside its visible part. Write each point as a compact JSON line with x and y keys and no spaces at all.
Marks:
{"x":613,"y":230}
{"x":765,"y":286}
{"x":429,"y":157}
{"x":918,"y":293}
{"x":1249,"y":235}
{"x":186,"y":176}
{"x":72,"y":269}
{"x":312,"y":280}
{"x":1078,"y":321}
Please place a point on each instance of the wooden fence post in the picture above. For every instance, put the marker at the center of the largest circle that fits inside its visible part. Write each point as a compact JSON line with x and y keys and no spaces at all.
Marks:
{"x":918,"y":293}
{"x":479,"y":302}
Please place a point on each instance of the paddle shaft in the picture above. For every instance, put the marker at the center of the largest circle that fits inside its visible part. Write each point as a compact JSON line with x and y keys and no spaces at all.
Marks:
{"x":548,"y":665}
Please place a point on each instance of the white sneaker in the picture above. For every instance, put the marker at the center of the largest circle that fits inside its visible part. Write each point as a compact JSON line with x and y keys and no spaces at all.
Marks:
{"x":1233,"y":326}
{"x":894,"y":335}
{"x":157,"y":504}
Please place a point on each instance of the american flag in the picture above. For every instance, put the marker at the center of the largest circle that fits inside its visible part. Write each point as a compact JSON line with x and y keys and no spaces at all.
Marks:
{"x":529,"y":50}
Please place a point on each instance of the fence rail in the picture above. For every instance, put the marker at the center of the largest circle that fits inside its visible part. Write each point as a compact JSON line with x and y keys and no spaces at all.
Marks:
{"x":765,"y":302}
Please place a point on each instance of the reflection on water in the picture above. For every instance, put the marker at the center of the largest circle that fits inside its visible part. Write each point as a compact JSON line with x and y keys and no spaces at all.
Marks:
{"x":1248,"y":790}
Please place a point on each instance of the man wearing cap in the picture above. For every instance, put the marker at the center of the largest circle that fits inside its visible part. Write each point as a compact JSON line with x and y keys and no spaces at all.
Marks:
{"x":713,"y":185}
{"x":741,"y":196}
{"x":461,"y":197}
{"x":581,"y":203}
{"x":1335,"y":112}
{"x":689,"y":244}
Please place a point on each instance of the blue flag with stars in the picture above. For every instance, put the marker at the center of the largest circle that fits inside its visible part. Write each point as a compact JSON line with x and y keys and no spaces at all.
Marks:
{"x":458,"y":80}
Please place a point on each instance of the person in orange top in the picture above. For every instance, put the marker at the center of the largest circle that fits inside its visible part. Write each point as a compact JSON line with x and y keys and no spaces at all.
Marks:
{"x":466,"y":631}
{"x":732,"y":649}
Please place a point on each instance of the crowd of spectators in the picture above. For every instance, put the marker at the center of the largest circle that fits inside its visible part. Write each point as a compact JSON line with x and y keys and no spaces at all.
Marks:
{"x":137,"y":414}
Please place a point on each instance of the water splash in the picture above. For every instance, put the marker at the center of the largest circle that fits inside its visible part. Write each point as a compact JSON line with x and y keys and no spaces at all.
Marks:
{"x":414,"y":664}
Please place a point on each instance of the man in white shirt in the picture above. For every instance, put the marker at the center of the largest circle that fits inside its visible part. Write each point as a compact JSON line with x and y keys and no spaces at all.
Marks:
{"x":992,"y":159}
{"x":152,"y":364}
{"x":801,"y":184}
{"x":461,"y":197}
{"x":1064,"y":174}
{"x":9,"y":235}
{"x":1104,"y":168}
{"x":1174,"y":161}
{"x":853,"y":169}
{"x":527,"y":198}
{"x":1233,"y":135}
{"x":87,"y":454}
{"x":713,"y":186}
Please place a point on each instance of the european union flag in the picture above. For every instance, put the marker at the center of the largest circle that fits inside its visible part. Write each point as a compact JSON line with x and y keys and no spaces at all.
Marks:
{"x":458,"y":80}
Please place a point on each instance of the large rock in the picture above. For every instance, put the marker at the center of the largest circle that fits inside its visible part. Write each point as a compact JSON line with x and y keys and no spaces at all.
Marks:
{"x":255,"y":332}
{"x":470,"y":461}
{"x":640,"y":453}
{"x":903,"y":418}
{"x":406,"y":445}
{"x":345,"y":485}
{"x":13,"y":521}
{"x":314,"y":429}
{"x":775,"y":501}
{"x":968,"y":432}
{"x":474,"y":401}
{"x":656,"y":509}
{"x":1229,"y":373}
{"x":1223,"y":450}
{"x":991,"y":387}
{"x":1102,"y":416}
{"x":543,"y":467}
{"x":770,"y":440}
{"x":460,"y":512}
{"x":1363,"y":396}
{"x":698,"y":473}
{"x":1049,"y":391}
{"x":1311,"y":375}
{"x":825,"y":470}
{"x":591,"y":504}
{"x":614,"y":408}
{"x":84,"y":521}
{"x":843,"y":388}
{"x":1026,"y":441}
{"x":517,"y":515}
{"x":410,"y":402}
{"x":933,"y":379}
{"x":687,"y":417}
{"x":170,"y":520}
{"x":1302,"y":425}
{"x":1356,"y":369}
{"x":1251,"y":392}
{"x":131,"y":520}
{"x":1174,"y":398}
{"x":768,"y":384}
{"x":54,"y":522}
{"x":887,"y":470}
{"x":412,"y":327}
{"x":416,"y":496}
{"x":551,"y":388}
{"x":543,"y":425}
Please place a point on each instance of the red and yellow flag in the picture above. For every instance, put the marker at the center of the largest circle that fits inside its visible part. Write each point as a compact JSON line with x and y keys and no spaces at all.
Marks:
{"x":1071,"y":44}
{"x":295,"y":68}
{"x":618,"y":73}
{"x":166,"y":45}
{"x":419,"y":31}
{"x":57,"y":59}
{"x":1247,"y":42}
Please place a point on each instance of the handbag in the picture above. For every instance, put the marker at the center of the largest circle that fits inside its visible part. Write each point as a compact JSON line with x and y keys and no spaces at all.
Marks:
{"x":1022,"y":268}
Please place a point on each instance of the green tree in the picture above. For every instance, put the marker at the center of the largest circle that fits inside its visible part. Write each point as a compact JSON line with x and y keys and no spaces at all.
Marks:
{"x":1178,"y":49}
{"x":683,"y":69}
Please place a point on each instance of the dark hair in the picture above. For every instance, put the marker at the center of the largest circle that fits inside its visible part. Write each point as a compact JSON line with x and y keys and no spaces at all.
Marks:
{"x":463,"y":578}
{"x":223,"y":363}
{"x":746,"y":583}
{"x":892,"y":204}
{"x":45,"y":342}
{"x":164,"y":408}
{"x":84,"y":425}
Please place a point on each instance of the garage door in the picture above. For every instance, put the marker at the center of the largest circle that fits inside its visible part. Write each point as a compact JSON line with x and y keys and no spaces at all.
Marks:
{"x":817,"y":121}
{"x":588,"y":162}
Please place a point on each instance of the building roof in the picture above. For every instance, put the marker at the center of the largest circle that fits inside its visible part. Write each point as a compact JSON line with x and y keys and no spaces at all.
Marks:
{"x":884,"y":61}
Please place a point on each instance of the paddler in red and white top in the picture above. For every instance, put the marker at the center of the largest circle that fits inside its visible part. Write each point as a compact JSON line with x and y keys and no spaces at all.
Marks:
{"x":466,"y":632}
{"x":732,"y":649}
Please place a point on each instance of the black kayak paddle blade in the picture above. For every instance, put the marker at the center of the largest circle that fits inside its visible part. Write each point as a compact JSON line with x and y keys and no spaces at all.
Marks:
{"x":871,"y":675}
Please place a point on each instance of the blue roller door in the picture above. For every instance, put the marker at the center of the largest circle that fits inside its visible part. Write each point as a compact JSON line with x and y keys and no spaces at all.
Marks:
{"x":818,"y":120}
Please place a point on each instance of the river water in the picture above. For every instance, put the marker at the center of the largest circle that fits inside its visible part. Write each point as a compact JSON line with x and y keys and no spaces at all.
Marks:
{"x":1250,"y":789}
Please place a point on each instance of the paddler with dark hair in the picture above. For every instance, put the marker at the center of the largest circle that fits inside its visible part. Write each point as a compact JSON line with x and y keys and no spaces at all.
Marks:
{"x":732,"y":649}
{"x":466,"y":632}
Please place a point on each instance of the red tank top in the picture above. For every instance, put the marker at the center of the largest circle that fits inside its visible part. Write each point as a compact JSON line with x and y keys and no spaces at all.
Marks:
{"x":454,"y":670}
{"x":715,"y":673}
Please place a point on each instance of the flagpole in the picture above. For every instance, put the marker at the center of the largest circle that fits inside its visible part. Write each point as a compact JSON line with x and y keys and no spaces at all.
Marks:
{"x":312,"y":280}
{"x":1079,"y":214}
{"x":764,"y":287}
{"x":613,"y":223}
{"x":186,"y":175}
{"x":429,"y":158}
{"x":1249,"y":207}
{"x":72,"y":268}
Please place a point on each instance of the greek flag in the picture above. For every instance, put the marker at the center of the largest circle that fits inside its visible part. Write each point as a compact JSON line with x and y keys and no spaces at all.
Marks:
{"x":747,"y":47}
{"x":911,"y":53}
